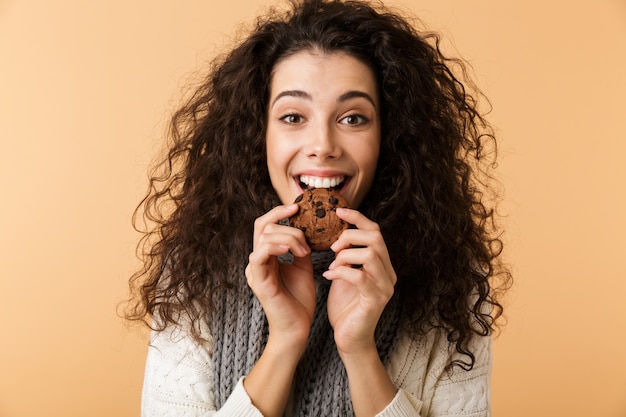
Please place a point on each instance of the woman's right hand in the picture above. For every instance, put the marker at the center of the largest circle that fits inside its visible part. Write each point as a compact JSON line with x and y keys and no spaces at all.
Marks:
{"x":287,"y":294}
{"x":286,"y":291}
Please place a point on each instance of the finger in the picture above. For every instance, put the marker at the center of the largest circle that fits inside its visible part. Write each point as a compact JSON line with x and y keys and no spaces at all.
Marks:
{"x":364,"y":256}
{"x":283,"y":237}
{"x":355,"y":217}
{"x":263,"y":255}
{"x":366,"y":233}
{"x":359,"y":238}
{"x":375,"y":249}
{"x":368,"y":260}
{"x":369,"y":288}
{"x":366,"y":249}
{"x":273,"y":217}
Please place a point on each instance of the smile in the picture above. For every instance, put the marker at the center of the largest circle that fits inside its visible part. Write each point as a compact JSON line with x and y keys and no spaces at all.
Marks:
{"x":309,"y":181}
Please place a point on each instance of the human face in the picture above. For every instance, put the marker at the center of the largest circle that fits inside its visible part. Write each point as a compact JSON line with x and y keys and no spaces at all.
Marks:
{"x":323,"y":126}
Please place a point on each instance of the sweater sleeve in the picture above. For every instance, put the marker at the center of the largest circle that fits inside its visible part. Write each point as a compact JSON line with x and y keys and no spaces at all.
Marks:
{"x":427,"y":388}
{"x":461,"y":393}
{"x":177,"y":380}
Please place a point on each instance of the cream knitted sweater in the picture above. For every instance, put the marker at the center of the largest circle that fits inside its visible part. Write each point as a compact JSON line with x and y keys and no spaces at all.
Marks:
{"x":178,"y":379}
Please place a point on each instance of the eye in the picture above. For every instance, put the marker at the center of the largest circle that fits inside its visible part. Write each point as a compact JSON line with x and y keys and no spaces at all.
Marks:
{"x":292,"y":118}
{"x":354,"y":119}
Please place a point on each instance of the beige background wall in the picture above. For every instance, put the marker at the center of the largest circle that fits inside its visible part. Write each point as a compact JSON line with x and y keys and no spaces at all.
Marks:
{"x":85,"y":88}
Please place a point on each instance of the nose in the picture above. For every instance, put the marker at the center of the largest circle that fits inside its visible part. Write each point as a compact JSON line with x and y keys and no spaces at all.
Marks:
{"x":323,"y":144}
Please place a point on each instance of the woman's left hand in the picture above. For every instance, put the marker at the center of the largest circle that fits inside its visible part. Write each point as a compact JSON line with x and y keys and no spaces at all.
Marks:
{"x":363,"y":281}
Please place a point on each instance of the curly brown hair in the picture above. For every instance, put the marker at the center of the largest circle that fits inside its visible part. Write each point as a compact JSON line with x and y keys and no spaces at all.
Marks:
{"x":434,"y":194}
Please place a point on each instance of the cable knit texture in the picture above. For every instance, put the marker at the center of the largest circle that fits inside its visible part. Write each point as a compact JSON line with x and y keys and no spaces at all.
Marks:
{"x":181,"y":378}
{"x":179,"y":383}
{"x":240,"y":332}
{"x":237,"y":315}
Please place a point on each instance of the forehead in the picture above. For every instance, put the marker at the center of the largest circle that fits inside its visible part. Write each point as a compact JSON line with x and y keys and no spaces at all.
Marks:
{"x":308,"y":68}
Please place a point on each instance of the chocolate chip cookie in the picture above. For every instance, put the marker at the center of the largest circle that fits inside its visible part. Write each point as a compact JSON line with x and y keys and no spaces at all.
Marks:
{"x":317,"y":217}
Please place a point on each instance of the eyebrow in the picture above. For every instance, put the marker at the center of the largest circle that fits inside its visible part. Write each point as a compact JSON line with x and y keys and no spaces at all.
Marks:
{"x":344,"y":97}
{"x":292,"y":93}
{"x":354,"y":94}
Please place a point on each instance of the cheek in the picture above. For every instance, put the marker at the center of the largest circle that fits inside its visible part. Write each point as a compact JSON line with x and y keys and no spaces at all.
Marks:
{"x":273,"y":164}
{"x":278,"y":158}
{"x":368,"y":158}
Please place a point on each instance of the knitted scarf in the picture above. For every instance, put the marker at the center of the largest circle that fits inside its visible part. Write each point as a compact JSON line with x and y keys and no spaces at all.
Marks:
{"x":239,"y":329}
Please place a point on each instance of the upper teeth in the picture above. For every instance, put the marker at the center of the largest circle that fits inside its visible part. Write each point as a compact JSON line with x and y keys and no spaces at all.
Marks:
{"x":321,"y":182}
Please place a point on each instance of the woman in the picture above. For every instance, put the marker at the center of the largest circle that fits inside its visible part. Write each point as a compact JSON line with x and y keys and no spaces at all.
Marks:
{"x":396,"y":318}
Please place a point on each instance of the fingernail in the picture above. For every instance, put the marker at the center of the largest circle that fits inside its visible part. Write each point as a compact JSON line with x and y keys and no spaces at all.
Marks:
{"x":331,"y":266}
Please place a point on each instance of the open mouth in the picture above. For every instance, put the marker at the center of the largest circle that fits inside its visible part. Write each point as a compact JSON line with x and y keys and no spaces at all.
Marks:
{"x":309,"y":182}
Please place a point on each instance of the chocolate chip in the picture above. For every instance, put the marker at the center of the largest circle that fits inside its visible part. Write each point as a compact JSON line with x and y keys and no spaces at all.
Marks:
{"x":320,"y":230}
{"x":333,"y":200}
{"x":318,"y":203}
{"x":299,"y":198}
{"x":320,"y":213}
